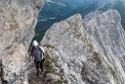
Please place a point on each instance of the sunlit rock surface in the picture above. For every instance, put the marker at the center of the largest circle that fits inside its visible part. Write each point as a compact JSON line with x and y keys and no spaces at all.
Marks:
{"x":86,"y":51}
{"x":17,"y":22}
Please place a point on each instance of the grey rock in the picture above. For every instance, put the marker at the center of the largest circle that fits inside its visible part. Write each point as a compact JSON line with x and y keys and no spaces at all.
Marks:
{"x":17,"y":23}
{"x":108,"y":38}
{"x":89,"y":51}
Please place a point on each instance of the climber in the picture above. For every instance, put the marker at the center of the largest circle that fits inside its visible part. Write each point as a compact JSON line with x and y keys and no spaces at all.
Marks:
{"x":39,"y":56}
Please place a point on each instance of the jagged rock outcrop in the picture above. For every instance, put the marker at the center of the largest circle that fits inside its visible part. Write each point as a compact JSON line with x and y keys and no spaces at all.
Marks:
{"x":86,"y":51}
{"x":108,"y":38}
{"x":17,"y":22}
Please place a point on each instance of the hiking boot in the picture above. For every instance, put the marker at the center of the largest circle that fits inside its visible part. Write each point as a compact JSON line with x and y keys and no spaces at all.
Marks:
{"x":37,"y":73}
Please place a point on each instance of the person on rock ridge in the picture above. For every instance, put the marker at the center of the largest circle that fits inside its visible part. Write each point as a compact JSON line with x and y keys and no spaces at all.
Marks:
{"x":37,"y":52}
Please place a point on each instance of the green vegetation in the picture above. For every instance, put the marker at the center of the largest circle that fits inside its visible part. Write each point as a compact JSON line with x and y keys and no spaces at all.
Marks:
{"x":110,"y":69}
{"x":54,"y":60}
{"x":61,"y":82}
{"x":62,"y":9}
{"x":97,"y":58}
{"x":36,"y":34}
{"x":49,"y":68}
{"x":61,"y":71}
{"x":48,"y":46}
{"x":54,"y":9}
{"x":58,"y":82}
{"x":91,"y":48}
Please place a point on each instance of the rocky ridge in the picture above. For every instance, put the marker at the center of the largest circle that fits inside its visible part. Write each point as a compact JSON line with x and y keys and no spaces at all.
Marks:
{"x":86,"y":51}
{"x":79,"y":51}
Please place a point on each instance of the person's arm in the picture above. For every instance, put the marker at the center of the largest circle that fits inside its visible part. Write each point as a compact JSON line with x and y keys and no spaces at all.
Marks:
{"x":44,"y":54}
{"x":30,"y":55}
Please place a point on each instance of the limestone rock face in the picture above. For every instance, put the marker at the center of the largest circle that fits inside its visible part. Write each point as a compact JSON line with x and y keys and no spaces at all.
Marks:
{"x":17,"y":22}
{"x":86,"y":51}
{"x":108,"y":38}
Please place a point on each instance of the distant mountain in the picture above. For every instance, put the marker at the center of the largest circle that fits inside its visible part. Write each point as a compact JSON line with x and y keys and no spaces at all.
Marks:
{"x":57,"y":10}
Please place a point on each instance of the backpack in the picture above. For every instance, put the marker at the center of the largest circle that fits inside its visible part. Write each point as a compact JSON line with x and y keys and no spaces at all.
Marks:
{"x":41,"y":52}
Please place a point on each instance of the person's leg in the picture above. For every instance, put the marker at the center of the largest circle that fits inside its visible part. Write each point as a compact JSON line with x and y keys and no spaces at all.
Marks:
{"x":37,"y":67}
{"x":41,"y":65}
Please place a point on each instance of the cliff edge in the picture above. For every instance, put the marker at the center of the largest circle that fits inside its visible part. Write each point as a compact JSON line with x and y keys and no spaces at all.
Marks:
{"x":17,"y":23}
{"x":81,"y":51}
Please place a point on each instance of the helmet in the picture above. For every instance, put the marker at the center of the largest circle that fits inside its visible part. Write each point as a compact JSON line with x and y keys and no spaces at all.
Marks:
{"x":35,"y":43}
